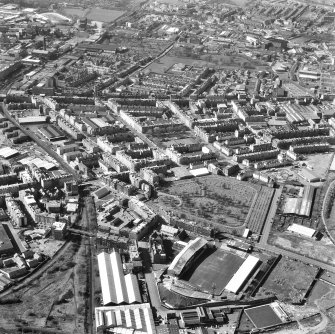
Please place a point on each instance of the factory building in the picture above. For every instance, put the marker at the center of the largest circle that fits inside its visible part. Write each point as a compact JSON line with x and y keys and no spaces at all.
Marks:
{"x":126,"y":319}
{"x":116,"y":287}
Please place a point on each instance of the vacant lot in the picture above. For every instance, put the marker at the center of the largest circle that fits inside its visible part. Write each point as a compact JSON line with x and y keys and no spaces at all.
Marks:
{"x":319,"y":163}
{"x":56,"y":299}
{"x":322,"y":250}
{"x":215,"y":271}
{"x":289,"y":281}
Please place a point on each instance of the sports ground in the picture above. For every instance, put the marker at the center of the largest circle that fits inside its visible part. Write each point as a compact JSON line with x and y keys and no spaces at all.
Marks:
{"x":216,"y":269}
{"x":263,"y":316}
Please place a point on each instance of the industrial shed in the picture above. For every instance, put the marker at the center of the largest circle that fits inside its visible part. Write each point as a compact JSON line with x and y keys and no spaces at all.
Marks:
{"x":101,"y":192}
{"x":116,"y":287}
{"x":302,"y":230}
{"x":127,"y":319}
{"x":34,"y":120}
{"x":8,"y":152}
{"x":242,"y":274}
{"x":301,"y":206}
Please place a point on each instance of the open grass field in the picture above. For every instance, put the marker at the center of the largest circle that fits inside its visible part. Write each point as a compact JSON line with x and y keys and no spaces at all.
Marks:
{"x":263,"y":316}
{"x":71,"y":11}
{"x":103,"y":15}
{"x":224,"y":203}
{"x":289,"y":280}
{"x":217,"y":268}
{"x":94,"y":14}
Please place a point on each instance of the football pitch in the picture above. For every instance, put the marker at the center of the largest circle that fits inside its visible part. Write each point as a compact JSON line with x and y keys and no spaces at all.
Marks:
{"x":214,"y":270}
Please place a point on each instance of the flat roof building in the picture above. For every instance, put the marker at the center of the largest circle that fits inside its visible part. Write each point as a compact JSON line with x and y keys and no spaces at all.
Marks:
{"x":242,"y":274}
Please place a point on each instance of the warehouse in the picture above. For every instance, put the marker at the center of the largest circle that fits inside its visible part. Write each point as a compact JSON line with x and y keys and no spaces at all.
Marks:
{"x":51,"y":133}
{"x":199,"y":172}
{"x":302,"y":230}
{"x":126,"y":319}
{"x":301,"y":206}
{"x":242,"y":274}
{"x":116,"y":287}
{"x":34,"y":120}
{"x":7,"y":152}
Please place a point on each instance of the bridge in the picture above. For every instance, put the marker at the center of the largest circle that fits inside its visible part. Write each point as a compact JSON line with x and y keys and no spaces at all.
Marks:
{"x":81,"y":232}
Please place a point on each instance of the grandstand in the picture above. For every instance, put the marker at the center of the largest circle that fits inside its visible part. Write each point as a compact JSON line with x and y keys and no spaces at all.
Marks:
{"x":242,"y":274}
{"x":188,"y":255}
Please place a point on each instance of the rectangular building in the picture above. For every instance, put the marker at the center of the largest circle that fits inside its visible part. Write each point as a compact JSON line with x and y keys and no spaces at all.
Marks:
{"x":242,"y":274}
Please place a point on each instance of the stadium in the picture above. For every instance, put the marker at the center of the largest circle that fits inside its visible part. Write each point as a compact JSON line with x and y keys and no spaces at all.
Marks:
{"x":212,"y":270}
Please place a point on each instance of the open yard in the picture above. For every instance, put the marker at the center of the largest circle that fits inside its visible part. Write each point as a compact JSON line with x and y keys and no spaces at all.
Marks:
{"x":289,"y":281}
{"x":222,"y":202}
{"x":215,"y":270}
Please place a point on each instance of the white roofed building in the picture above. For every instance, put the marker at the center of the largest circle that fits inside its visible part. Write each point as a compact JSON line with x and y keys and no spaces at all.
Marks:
{"x":126,"y":319}
{"x":116,"y":287}
{"x":242,"y":274}
{"x":302,"y":230}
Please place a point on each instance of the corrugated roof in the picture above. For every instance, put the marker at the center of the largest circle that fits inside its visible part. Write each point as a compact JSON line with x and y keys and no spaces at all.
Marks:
{"x":116,"y":287}
{"x":126,"y":318}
